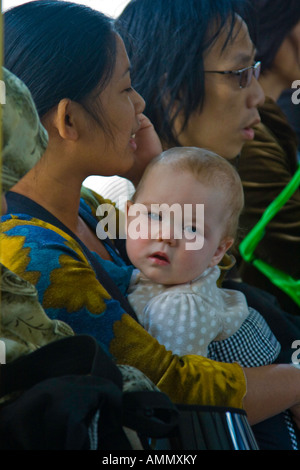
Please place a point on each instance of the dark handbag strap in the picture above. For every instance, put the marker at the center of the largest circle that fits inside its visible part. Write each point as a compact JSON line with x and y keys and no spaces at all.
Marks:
{"x":76,"y":355}
{"x":149,"y":413}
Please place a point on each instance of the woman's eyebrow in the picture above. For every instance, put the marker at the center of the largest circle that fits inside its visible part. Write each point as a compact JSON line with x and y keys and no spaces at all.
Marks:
{"x":243,"y":58}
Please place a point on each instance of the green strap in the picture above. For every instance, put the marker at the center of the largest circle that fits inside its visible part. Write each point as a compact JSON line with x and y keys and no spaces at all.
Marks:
{"x":247,"y":247}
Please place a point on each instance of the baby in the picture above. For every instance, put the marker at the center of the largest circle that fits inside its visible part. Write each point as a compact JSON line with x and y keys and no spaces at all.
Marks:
{"x":182,"y":219}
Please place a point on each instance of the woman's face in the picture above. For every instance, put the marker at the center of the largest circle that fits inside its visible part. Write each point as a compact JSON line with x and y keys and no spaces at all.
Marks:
{"x":112,"y":153}
{"x":229,"y":113}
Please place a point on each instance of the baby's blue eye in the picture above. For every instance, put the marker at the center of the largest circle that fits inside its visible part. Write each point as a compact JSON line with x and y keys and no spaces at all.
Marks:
{"x":190,"y":229}
{"x":154,"y":216}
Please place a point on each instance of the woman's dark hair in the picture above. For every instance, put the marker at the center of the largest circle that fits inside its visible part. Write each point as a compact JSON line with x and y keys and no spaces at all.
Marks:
{"x":276,"y":19}
{"x":166,"y":41}
{"x":60,"y":50}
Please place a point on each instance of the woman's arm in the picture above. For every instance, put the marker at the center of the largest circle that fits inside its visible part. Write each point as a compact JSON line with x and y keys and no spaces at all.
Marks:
{"x":186,"y":379}
{"x":270,"y":390}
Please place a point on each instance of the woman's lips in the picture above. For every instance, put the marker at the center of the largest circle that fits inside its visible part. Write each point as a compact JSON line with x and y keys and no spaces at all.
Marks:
{"x":132,"y":143}
{"x":159,"y":258}
{"x":248,"y":133}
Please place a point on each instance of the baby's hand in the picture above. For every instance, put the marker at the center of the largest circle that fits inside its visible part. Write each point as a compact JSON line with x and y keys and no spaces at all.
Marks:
{"x":148,"y":147}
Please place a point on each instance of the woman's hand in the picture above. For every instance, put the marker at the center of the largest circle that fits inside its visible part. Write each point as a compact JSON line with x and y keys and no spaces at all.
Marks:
{"x":148,"y":147}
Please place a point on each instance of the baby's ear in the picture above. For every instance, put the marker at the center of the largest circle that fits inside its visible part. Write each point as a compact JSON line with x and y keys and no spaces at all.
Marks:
{"x":224,"y":246}
{"x":127,"y":207}
{"x":128,"y":204}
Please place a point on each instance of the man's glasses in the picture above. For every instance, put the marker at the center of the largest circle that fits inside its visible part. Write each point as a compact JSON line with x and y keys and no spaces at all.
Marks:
{"x":245,"y":75}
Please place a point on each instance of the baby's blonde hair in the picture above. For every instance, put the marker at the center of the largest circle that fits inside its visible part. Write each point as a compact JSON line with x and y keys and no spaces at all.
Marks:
{"x":210,"y":169}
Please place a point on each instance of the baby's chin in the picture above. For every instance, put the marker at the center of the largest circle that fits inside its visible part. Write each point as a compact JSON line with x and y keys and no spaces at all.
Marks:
{"x":160,"y":279}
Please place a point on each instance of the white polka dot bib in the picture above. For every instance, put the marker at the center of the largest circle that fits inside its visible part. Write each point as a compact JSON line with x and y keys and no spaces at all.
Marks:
{"x":185,"y":318}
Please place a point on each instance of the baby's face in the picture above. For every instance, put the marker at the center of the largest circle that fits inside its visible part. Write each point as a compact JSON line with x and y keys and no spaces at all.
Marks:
{"x":175,"y":227}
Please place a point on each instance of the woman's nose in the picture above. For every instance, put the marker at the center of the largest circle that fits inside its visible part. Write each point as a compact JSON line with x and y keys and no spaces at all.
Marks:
{"x":139,"y":103}
{"x":256,"y":95}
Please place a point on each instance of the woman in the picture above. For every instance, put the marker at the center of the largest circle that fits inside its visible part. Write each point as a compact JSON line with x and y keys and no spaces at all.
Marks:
{"x":268,"y":163}
{"x":26,"y":332}
{"x":46,"y":241}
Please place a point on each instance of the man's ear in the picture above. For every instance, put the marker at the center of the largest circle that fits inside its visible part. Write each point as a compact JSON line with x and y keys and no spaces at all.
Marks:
{"x":224,"y":246}
{"x":65,"y":119}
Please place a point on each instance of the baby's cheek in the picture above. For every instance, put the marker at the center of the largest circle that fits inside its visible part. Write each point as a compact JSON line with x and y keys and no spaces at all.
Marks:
{"x":135,"y":250}
{"x":193,"y":262}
